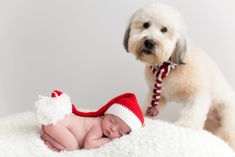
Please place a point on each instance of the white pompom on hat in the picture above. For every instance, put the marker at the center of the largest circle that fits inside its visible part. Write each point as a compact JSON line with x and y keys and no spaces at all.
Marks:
{"x":49,"y":110}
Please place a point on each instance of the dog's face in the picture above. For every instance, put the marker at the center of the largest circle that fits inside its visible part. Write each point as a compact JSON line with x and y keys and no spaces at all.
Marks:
{"x":156,"y":33}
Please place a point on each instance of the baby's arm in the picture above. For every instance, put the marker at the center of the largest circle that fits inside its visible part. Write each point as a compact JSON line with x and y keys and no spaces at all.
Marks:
{"x":95,"y":139}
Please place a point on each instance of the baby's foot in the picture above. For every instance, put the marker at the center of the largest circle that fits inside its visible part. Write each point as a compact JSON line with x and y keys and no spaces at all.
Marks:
{"x":51,"y":147}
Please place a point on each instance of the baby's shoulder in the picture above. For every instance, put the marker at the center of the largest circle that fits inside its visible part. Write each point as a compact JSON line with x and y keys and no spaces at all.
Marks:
{"x":96,"y":120}
{"x":92,"y":121}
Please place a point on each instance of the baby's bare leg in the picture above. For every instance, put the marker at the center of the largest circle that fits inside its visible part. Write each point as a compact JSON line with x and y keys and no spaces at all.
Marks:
{"x":62,"y":136}
{"x":51,"y":147}
{"x":51,"y":143}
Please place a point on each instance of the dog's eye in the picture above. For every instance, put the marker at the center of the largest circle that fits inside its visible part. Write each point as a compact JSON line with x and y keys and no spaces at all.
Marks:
{"x":146,"y":25}
{"x":163,"y":29}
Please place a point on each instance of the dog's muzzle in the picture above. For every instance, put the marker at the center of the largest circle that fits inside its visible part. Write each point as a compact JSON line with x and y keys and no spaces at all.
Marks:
{"x":148,"y":46}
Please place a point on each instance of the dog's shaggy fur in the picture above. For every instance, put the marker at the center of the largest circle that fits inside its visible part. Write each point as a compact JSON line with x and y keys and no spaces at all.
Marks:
{"x":157,"y":33}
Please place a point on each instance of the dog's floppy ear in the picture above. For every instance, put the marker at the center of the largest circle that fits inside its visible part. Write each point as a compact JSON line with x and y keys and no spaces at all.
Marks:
{"x":179,"y":52}
{"x":126,"y":38}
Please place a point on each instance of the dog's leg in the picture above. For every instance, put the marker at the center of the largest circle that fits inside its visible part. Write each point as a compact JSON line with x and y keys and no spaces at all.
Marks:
{"x":227,"y":129}
{"x":194,"y":113}
{"x":213,"y":121}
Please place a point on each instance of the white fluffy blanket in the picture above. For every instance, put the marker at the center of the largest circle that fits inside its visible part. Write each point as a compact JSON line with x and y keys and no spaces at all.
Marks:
{"x":20,"y":137}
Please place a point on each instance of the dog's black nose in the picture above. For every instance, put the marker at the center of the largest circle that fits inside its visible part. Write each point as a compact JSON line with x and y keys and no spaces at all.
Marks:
{"x":149,"y":44}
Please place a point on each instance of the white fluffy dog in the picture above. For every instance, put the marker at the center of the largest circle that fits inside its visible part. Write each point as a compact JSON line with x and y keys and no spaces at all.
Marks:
{"x":156,"y":34}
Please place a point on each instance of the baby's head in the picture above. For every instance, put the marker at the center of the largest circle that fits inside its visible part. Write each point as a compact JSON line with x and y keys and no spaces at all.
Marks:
{"x":114,"y":127}
{"x":122,"y":115}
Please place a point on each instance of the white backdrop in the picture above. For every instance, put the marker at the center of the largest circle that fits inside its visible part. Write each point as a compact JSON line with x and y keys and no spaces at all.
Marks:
{"x":76,"y":46}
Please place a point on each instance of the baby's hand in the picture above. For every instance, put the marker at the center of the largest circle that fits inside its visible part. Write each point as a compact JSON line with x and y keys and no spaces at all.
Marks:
{"x":107,"y":139}
{"x":96,"y":143}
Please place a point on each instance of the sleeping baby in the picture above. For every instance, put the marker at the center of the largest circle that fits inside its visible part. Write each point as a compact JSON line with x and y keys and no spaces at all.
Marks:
{"x":88,"y":130}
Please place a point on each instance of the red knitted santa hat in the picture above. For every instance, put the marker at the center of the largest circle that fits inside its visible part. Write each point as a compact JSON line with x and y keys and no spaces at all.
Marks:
{"x":124,"y":106}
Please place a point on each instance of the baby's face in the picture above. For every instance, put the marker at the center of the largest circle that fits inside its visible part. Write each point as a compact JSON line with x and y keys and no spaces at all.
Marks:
{"x":114,"y":127}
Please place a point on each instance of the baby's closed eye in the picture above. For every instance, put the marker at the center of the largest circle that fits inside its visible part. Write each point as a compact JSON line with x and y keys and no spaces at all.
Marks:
{"x":122,"y":132}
